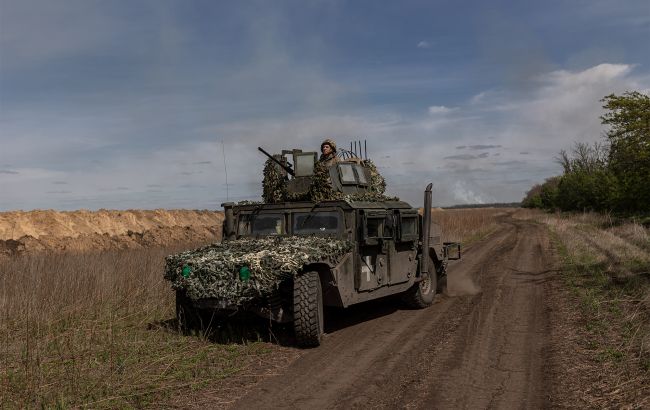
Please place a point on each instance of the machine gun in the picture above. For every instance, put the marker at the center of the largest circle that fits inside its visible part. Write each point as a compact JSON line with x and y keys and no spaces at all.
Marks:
{"x":286,"y":167}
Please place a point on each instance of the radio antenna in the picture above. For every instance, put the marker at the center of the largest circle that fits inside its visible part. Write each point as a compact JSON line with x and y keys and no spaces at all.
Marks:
{"x":225,"y":168}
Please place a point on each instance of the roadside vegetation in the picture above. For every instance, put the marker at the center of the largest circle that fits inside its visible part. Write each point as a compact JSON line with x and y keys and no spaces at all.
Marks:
{"x":598,"y":211}
{"x":97,"y":329}
{"x":467,"y":225}
{"x":606,"y":269}
{"x":611,"y":176}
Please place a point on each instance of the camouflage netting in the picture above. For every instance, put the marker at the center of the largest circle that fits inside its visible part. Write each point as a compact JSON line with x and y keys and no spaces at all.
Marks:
{"x":275,"y":186}
{"x":275,"y":183}
{"x":377,"y":182}
{"x":214,"y":269}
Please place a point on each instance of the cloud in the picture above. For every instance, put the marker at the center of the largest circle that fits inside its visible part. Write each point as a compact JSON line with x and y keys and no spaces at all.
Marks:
{"x":461,"y":157}
{"x":439,"y":109}
{"x":484,"y":155}
{"x":115,"y":98}
{"x":484,"y":146}
{"x":478,"y":98}
{"x":59,"y":183}
{"x":509,"y":163}
{"x":524,"y":153}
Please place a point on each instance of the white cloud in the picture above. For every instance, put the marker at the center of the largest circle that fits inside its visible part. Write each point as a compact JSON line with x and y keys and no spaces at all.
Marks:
{"x":439,"y":109}
{"x":424,"y":44}
{"x":478,"y":98}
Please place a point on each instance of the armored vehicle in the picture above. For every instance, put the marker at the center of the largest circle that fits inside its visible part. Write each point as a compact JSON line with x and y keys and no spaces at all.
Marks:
{"x":326,"y":235}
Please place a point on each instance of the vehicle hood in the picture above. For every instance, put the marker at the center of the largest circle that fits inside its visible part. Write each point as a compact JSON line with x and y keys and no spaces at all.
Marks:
{"x":213,"y":271}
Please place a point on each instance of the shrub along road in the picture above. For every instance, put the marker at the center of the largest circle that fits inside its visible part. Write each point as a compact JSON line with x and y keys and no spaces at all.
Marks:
{"x":489,"y":349}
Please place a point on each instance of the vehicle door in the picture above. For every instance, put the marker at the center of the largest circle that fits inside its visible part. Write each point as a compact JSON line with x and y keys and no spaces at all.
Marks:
{"x":403,"y":249}
{"x":373,"y":261}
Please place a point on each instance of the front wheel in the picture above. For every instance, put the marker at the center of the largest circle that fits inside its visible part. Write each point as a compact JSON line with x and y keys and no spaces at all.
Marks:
{"x":308,"y":309}
{"x":187,"y":316}
{"x":422,"y":294}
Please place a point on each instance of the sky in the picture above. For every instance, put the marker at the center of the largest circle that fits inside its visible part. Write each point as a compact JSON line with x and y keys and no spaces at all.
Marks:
{"x":162,"y":104}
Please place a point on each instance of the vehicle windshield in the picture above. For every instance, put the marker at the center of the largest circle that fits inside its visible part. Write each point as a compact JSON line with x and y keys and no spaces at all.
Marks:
{"x":261,"y":224}
{"x":320,"y":223}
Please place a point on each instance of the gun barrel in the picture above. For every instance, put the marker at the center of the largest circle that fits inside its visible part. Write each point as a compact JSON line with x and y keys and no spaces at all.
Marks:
{"x":286,"y":167}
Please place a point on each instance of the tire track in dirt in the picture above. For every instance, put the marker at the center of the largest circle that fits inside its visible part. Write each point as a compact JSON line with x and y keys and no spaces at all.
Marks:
{"x":479,"y":351}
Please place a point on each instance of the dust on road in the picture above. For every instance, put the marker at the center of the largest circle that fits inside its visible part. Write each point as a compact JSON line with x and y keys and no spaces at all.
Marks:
{"x":486,"y":350}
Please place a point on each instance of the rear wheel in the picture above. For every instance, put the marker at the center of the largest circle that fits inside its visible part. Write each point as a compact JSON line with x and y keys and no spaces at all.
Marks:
{"x":308,"y":309}
{"x":423,"y":293}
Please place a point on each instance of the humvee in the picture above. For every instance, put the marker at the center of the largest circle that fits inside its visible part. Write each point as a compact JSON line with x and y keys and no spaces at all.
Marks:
{"x":392,"y":249}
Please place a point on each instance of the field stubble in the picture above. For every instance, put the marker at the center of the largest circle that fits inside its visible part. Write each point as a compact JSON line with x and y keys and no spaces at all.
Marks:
{"x":96,"y":329}
{"x":606,"y":268}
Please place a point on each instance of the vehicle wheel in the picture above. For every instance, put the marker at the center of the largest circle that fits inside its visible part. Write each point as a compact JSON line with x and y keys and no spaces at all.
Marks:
{"x":187,"y":315}
{"x":422,"y":294}
{"x":308,"y":309}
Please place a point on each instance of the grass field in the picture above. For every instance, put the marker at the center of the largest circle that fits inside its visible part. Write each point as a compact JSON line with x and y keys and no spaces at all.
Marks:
{"x":97,"y":330}
{"x":606,"y":267}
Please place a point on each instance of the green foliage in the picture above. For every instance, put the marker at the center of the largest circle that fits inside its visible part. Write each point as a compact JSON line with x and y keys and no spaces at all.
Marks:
{"x":533,"y":198}
{"x":549,"y":193}
{"x":628,"y":117}
{"x":605,"y":177}
{"x":586,"y":191}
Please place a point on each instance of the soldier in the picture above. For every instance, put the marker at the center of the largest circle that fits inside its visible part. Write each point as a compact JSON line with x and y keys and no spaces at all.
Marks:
{"x":328,"y":153}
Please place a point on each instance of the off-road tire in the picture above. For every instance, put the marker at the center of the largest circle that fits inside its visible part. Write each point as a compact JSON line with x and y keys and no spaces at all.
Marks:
{"x":423,"y":293}
{"x":187,"y":316}
{"x":308,"y":309}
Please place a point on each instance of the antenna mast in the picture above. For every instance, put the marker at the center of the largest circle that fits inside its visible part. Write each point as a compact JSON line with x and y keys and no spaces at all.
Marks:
{"x":225,"y":168}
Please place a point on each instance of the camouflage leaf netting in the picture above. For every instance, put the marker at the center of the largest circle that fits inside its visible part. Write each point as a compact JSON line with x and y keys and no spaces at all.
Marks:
{"x":275,"y":186}
{"x":377,"y":182}
{"x":214,"y":269}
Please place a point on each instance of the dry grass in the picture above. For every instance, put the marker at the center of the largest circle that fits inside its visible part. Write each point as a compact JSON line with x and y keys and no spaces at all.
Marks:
{"x":467,"y":225}
{"x":96,"y":330}
{"x":607,"y":270}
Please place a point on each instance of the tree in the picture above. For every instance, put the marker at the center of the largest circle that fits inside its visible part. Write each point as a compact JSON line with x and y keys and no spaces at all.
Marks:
{"x":628,"y":118}
{"x":533,"y":198}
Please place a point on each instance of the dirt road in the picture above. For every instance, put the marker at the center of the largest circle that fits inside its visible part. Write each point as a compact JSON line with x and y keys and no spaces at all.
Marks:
{"x":486,"y":350}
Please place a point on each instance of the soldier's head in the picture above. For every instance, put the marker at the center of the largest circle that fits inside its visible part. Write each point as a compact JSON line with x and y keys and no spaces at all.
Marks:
{"x":328,"y":147}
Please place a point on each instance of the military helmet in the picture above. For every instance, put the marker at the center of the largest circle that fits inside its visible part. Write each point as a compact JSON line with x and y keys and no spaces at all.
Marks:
{"x":329,"y":142}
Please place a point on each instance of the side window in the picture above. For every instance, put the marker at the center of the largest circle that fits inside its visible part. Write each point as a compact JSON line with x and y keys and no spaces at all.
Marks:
{"x":361,"y":174}
{"x":408,"y":227}
{"x":374,"y":227}
{"x":347,"y":174}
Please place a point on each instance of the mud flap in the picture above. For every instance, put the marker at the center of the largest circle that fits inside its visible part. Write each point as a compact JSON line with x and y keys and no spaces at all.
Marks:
{"x":451,"y":250}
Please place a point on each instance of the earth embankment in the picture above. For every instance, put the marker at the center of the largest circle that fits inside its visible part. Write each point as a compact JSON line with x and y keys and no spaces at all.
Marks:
{"x":49,"y":230}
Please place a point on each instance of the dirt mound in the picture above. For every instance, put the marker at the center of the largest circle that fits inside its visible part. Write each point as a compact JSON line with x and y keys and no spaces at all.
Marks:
{"x":16,"y":224}
{"x":42,"y":231}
